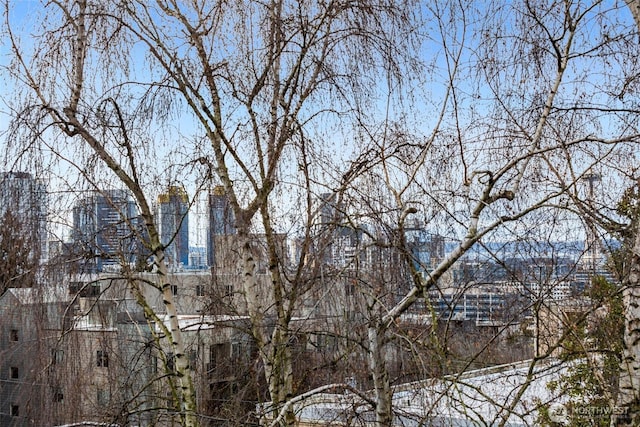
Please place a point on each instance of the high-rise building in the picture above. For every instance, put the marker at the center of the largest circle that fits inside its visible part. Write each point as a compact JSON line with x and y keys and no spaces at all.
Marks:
{"x":23,"y":206}
{"x":427,"y":249}
{"x":328,"y":209}
{"x":221,"y":220}
{"x":340,"y":241}
{"x":173,"y":225}
{"x":107,"y":229}
{"x":23,"y":215}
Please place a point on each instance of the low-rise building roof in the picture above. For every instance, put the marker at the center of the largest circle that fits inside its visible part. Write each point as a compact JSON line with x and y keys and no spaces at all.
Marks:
{"x":513,"y":393}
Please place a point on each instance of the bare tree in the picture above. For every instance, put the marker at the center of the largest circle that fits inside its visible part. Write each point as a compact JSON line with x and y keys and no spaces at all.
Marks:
{"x":487,"y":174}
{"x":264,"y":88}
{"x":246,"y":74}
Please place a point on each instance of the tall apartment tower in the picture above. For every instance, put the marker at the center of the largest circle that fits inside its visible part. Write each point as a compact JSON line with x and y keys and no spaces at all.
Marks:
{"x":173,"y":224}
{"x":340,"y":245}
{"x":23,"y":206}
{"x":221,"y":220}
{"x":331,"y":213}
{"x":107,"y":229}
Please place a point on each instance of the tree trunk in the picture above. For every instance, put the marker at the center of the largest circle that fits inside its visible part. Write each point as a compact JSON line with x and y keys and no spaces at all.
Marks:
{"x":381,"y":383}
{"x":629,"y":385}
{"x":279,"y":370}
{"x":634,"y":6}
{"x":269,"y":329}
{"x":183,"y":370}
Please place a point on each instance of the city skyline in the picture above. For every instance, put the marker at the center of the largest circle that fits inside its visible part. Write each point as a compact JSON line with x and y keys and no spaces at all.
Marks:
{"x":219,"y":219}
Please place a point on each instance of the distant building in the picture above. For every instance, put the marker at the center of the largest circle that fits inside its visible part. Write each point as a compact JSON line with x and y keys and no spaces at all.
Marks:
{"x":81,"y":352}
{"x":197,"y":257}
{"x":28,"y":394}
{"x":222,"y":221}
{"x":24,"y":199}
{"x":330,"y":211}
{"x":426,"y":248}
{"x":173,"y":224}
{"x":107,"y":229}
{"x":556,"y":317}
{"x":497,"y":303}
{"x":339,"y":243}
{"x":345,"y":248}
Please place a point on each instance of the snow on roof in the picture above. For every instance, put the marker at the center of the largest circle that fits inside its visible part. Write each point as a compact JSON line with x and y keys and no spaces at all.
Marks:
{"x":482,"y":397}
{"x":486,"y":397}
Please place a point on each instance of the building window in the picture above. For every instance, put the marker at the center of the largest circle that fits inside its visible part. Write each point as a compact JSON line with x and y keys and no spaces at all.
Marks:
{"x":14,"y":410}
{"x":95,"y":290}
{"x":228,"y":290}
{"x":58,"y":396}
{"x":199,"y":290}
{"x":325,"y":342}
{"x":90,"y":290}
{"x":193,"y":359}
{"x":174,"y":289}
{"x":103,"y":397}
{"x":219,"y":355}
{"x":102,"y":359}
{"x":56,"y":356}
{"x":238,"y":350}
{"x":13,"y":335}
{"x":15,"y":372}
{"x":351,"y":287}
{"x":74,"y":287}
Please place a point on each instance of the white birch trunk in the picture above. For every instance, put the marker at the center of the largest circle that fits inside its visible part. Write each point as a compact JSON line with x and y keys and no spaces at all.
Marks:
{"x":381,"y":383}
{"x":270,"y":331}
{"x":629,"y":385}
{"x":187,"y":393}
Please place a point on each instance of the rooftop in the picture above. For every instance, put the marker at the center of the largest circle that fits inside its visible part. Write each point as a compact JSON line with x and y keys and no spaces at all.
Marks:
{"x":481,"y":397}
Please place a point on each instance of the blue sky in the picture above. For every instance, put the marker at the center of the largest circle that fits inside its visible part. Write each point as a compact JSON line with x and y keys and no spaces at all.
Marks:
{"x":24,"y":17}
